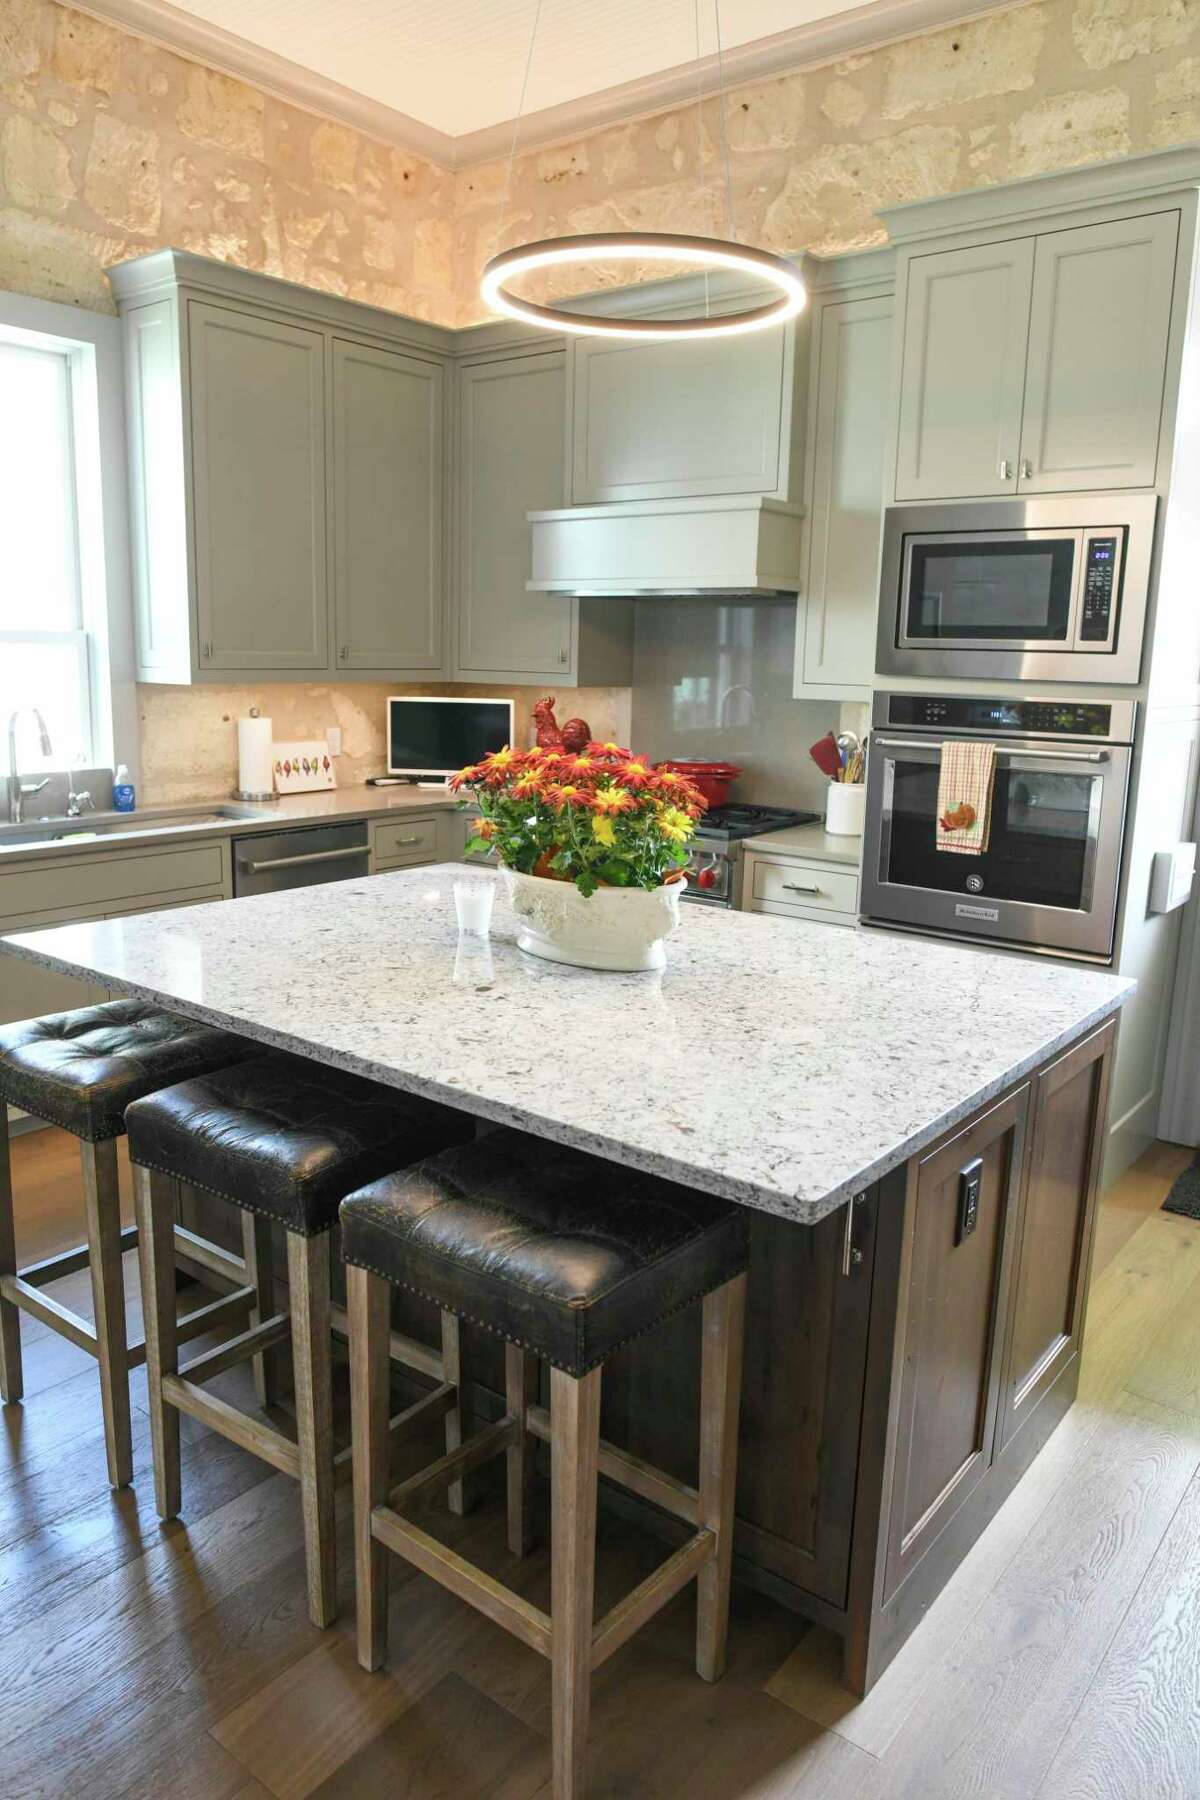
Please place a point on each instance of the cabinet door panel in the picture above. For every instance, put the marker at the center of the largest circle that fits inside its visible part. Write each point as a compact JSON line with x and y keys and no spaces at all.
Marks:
{"x":386,"y":479}
{"x":511,"y":463}
{"x":258,"y":485}
{"x":1098,"y":334}
{"x":835,"y":648}
{"x":952,"y":1324}
{"x":963,"y":369}
{"x":1054,"y":1239}
{"x":653,"y":420}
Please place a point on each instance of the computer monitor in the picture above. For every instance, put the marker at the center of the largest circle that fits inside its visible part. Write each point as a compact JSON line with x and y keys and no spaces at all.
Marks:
{"x":431,"y":738}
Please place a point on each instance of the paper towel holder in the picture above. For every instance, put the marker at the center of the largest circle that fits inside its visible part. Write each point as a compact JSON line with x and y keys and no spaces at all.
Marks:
{"x":243,"y":793}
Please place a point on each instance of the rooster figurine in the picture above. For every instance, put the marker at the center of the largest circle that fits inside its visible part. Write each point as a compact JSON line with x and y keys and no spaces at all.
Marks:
{"x":575,"y":735}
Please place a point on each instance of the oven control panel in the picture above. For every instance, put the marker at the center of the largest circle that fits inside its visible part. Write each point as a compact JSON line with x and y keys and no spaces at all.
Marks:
{"x":1099,"y":588}
{"x":1019,"y":718}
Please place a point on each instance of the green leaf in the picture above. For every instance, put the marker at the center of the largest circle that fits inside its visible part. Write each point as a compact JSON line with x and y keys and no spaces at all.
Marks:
{"x":474,"y":844}
{"x":586,"y":883}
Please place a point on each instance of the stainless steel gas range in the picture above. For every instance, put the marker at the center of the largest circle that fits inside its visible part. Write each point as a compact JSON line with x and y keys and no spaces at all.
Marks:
{"x":715,"y":868}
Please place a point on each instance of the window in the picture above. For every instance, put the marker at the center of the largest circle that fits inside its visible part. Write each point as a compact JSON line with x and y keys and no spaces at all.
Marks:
{"x":46,"y":653}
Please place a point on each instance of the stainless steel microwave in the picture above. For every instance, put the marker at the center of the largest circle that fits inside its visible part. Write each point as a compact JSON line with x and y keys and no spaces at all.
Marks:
{"x":1039,"y":589}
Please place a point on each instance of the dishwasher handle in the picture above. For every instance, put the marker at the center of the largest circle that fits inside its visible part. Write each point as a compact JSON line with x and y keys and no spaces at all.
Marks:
{"x":294,"y":862}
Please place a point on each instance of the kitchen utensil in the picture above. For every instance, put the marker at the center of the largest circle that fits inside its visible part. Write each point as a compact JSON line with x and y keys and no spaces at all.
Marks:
{"x":847,"y":743}
{"x":825,"y":754}
{"x":714,"y":779}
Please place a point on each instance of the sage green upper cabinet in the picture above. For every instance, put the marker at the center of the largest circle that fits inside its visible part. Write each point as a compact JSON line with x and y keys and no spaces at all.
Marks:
{"x":258,"y":480}
{"x":966,"y":323}
{"x":510,"y":464}
{"x":1097,"y":355}
{"x":387,"y":484}
{"x":849,"y":384}
{"x":660,"y":420}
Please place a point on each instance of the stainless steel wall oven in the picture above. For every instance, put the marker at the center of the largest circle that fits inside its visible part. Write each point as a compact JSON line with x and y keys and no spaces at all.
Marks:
{"x":1050,"y":876}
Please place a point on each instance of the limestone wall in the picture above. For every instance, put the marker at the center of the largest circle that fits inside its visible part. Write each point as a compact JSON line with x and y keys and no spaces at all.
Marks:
{"x":110,"y":147}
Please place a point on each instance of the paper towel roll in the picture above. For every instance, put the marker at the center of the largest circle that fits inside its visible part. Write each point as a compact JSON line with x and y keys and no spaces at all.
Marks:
{"x":254,"y":757}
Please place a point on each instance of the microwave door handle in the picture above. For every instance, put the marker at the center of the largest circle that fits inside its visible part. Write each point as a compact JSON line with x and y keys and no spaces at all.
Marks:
{"x":1084,"y":756}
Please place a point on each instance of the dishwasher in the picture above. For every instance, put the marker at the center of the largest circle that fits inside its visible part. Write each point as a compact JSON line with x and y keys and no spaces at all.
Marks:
{"x":272,"y":861}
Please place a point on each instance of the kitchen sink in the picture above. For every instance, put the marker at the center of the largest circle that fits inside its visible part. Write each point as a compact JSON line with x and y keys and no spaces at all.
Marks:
{"x":36,"y":832}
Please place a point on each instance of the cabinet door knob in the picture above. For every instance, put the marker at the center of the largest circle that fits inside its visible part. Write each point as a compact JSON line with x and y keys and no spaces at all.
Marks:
{"x":1005,"y":470}
{"x":206,"y":652}
{"x":562,"y":656}
{"x":343,"y":653}
{"x":1026,"y":469}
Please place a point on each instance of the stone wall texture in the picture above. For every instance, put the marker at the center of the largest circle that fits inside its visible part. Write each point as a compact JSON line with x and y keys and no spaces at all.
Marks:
{"x":110,"y":147}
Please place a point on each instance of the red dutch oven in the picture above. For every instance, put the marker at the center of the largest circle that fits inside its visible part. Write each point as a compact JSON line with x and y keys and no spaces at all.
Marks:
{"x":714,"y":779}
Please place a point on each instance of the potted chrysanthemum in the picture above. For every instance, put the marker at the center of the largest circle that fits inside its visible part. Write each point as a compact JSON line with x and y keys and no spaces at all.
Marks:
{"x":592,"y":848}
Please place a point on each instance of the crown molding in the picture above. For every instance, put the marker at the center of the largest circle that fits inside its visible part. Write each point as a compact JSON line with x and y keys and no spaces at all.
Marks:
{"x":866,"y":27}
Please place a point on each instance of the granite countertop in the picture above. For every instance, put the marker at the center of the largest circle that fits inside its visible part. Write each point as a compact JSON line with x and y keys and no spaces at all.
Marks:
{"x":775,"y":1062}
{"x":333,"y":804}
{"x":812,"y":841}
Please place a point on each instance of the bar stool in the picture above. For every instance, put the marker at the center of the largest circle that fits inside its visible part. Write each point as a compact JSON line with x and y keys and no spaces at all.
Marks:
{"x":284,"y":1139}
{"x":79,"y":1070}
{"x":566,"y":1257}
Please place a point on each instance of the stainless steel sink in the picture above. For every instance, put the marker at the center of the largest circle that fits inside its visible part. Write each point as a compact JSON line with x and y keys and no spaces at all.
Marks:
{"x":35,"y":832}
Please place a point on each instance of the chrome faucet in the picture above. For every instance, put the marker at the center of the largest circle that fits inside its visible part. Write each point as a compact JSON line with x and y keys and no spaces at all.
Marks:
{"x":18,"y":790}
{"x":78,"y":803}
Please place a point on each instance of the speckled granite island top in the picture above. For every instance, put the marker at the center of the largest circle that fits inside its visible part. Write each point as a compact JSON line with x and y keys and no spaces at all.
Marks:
{"x":781,"y":1064}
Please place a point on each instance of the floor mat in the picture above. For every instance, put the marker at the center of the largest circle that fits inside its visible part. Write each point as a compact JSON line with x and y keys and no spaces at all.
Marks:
{"x":1184,"y":1196}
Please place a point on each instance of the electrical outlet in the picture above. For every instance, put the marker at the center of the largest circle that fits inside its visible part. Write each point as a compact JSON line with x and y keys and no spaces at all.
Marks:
{"x":333,"y":737}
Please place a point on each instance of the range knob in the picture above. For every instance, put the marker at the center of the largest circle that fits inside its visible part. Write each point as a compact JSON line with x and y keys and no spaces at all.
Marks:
{"x":707,"y":878}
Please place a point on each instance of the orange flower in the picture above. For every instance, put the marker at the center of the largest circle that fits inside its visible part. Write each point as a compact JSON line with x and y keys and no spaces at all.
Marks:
{"x":677,"y":790}
{"x":608,"y":751}
{"x":567,"y":793}
{"x":465,"y":777}
{"x":583,"y":764}
{"x":609,"y":799}
{"x":528,"y":784}
{"x":486,"y":828}
{"x":635,"y":772}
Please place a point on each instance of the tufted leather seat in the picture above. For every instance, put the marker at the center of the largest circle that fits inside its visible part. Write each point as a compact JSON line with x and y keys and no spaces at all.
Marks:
{"x":564,"y":1253}
{"x":82,"y":1069}
{"x":285,"y":1136}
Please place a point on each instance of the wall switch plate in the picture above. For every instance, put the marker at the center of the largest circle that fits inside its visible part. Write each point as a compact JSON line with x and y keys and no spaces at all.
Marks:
{"x":333,"y":737}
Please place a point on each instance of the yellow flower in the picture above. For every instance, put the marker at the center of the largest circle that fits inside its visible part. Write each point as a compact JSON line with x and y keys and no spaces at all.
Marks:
{"x":602,"y":830}
{"x":674,"y":824}
{"x":609,"y":799}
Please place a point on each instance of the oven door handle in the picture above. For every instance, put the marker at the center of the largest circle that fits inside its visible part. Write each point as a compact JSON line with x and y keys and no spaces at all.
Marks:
{"x":1084,"y":756}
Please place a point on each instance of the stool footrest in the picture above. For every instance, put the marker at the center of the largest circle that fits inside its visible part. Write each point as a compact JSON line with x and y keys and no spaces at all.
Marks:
{"x":425,"y":1411}
{"x":403,"y":1350}
{"x":480,"y":1590}
{"x":629,"y":1471}
{"x":51,"y":1312}
{"x":650,"y":1596}
{"x":69,"y":1262}
{"x":259,"y":1439}
{"x":190,"y":1247}
{"x":210,"y":1317}
{"x":422,"y":1487}
{"x":238,"y":1349}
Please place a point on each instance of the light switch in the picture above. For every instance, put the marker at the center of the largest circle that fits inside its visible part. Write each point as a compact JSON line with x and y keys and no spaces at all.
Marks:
{"x":333,"y":737}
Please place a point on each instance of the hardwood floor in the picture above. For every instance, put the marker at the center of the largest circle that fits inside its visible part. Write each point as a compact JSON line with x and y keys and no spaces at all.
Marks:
{"x":1062,"y":1662}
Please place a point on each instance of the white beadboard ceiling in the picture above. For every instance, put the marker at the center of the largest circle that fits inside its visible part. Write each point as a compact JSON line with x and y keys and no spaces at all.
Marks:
{"x":445,"y":76}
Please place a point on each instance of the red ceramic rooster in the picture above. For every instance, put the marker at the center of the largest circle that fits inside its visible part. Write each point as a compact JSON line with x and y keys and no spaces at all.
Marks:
{"x":575,"y":735}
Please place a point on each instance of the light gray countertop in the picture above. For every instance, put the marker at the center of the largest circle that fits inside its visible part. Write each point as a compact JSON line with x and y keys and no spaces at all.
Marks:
{"x":776,"y":1062}
{"x":811,"y":841}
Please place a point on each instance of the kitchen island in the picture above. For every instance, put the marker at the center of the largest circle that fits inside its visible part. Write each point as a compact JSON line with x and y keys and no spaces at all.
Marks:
{"x":913,"y":1125}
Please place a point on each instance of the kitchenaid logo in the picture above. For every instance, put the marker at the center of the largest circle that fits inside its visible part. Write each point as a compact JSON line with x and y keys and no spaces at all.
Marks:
{"x":963,"y":911}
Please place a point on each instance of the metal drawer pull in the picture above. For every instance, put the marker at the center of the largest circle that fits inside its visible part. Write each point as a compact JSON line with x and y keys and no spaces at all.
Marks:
{"x":798,"y":887}
{"x":851,"y":1254}
{"x":310,"y":856}
{"x":1086,"y":756}
{"x":399,"y":842}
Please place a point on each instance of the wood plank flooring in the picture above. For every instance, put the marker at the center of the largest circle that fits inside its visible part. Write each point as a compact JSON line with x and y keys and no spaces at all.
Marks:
{"x":1061,"y":1663}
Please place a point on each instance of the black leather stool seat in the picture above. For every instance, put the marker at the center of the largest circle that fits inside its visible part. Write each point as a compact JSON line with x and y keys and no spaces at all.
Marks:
{"x":82,"y":1069}
{"x":286,"y":1137}
{"x":562,"y":1252}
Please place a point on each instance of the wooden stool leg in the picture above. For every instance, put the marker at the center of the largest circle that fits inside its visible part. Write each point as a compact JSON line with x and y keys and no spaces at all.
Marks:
{"x":574,"y":1451}
{"x":720,"y":1398}
{"x":456,"y":1419}
{"x":369,"y":1306}
{"x":260,"y":1275}
{"x":12,"y":1385}
{"x":154,"y":1200}
{"x":102,"y":1210}
{"x":521,"y":1392}
{"x":308,"y":1282}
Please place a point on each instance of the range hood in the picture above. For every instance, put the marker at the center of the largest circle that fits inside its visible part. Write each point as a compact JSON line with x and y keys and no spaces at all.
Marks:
{"x":727,"y":544}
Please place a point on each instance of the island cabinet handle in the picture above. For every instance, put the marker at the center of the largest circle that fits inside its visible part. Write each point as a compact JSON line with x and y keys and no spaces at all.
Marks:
{"x":400,"y":842}
{"x":798,"y":887}
{"x":851,"y":1254}
{"x":293,"y":862}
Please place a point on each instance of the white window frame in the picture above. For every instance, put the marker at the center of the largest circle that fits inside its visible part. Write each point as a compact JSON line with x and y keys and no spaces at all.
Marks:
{"x":104,"y":641}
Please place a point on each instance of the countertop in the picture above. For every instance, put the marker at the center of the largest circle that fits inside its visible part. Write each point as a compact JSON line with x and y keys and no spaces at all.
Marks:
{"x":775,"y":1062}
{"x":812,"y":841}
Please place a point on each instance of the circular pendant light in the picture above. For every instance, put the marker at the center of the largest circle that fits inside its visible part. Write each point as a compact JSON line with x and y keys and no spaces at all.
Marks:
{"x":707,"y":255}
{"x":714,"y":255}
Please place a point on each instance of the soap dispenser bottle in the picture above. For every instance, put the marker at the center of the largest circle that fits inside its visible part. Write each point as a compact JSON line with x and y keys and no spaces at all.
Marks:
{"x":123,"y":796}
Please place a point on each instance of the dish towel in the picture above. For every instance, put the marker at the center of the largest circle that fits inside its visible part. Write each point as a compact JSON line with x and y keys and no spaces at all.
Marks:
{"x":964,"y":802}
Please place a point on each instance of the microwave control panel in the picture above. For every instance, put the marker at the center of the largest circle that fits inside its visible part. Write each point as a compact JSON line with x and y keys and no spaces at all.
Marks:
{"x":1099,"y":588}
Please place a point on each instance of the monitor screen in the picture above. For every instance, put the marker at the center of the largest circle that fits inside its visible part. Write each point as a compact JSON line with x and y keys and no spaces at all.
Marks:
{"x":436,"y":737}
